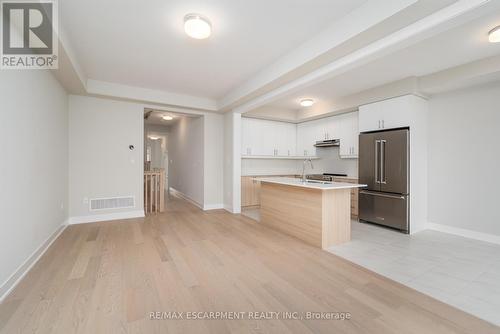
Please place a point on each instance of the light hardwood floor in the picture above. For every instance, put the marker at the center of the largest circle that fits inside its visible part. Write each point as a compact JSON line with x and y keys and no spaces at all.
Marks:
{"x":107,"y":278}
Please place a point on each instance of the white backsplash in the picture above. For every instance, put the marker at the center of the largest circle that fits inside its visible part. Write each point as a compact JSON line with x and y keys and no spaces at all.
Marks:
{"x":329,"y":162}
{"x":268,"y":167}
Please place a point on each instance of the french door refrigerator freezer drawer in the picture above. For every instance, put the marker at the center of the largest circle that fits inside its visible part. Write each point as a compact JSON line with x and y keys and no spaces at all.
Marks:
{"x":385,"y":209}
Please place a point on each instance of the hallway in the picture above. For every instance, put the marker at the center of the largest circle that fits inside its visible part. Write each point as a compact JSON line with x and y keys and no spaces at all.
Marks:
{"x":108,"y":277}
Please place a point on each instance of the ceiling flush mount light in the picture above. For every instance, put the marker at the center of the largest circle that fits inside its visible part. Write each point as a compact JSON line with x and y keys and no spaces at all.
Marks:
{"x":306,"y":102}
{"x":167,"y":118}
{"x":494,"y":35}
{"x":153,"y":137}
{"x":197,"y":26}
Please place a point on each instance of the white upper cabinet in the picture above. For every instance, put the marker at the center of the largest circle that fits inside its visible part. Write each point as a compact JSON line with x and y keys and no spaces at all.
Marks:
{"x":291,"y":139}
{"x":388,"y":114}
{"x":284,"y":138}
{"x":267,"y":138}
{"x":325,"y":129}
{"x":348,"y":135}
{"x":246,"y":136}
{"x":331,"y":128}
{"x":307,"y":135}
{"x":253,"y":137}
{"x":281,"y":139}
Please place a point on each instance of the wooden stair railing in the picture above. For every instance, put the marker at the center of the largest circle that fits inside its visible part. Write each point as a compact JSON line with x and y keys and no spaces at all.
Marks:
{"x":154,"y":191}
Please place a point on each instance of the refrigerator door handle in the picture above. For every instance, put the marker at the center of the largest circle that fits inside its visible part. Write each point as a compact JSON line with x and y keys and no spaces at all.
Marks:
{"x":383,"y":179}
{"x":381,"y":195}
{"x":377,"y":144}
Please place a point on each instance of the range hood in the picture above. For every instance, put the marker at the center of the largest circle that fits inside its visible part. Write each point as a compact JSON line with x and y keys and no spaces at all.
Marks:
{"x":327,"y":143}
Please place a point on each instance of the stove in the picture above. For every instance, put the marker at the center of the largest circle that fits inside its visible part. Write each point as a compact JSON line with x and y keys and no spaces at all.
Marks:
{"x":324,"y":177}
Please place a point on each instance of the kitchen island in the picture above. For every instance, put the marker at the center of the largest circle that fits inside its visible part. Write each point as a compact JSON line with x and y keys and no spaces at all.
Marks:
{"x":318,"y":213}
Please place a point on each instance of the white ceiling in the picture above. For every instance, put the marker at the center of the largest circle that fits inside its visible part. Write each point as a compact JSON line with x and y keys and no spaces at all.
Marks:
{"x":155,"y":118}
{"x":142,"y":44}
{"x":457,"y":46}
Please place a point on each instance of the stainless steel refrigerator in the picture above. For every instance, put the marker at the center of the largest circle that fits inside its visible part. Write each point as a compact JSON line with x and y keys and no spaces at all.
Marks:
{"x":384,"y":166}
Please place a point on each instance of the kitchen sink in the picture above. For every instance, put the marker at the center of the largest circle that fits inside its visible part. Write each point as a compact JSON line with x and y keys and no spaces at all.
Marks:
{"x":317,"y":181}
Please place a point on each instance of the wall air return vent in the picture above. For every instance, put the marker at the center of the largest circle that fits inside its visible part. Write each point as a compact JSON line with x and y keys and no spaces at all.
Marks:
{"x":112,"y":203}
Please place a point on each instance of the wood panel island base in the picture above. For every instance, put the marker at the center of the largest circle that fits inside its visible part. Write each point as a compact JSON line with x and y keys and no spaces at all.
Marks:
{"x":317,"y":213}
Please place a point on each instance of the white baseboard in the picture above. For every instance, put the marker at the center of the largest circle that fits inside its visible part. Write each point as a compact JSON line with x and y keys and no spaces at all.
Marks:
{"x":208,"y":207}
{"x":180,"y":194}
{"x":204,"y":207}
{"x":230,"y":209}
{"x":492,"y":238}
{"x":106,"y":217}
{"x":24,"y":268}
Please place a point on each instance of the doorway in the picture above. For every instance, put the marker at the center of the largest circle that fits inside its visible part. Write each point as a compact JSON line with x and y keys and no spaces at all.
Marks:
{"x":173,"y":147}
{"x":156,"y":130}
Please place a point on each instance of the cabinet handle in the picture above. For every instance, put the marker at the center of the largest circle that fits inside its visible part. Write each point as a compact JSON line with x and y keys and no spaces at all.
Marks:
{"x":379,"y":124}
{"x":383,"y":124}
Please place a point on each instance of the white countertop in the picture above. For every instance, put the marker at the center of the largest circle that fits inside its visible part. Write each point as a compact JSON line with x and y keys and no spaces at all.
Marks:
{"x":298,"y":183}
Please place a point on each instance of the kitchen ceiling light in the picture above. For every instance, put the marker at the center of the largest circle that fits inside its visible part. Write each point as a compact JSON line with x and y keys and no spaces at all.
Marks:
{"x":306,"y":102}
{"x":197,"y":26}
{"x":494,"y":35}
{"x":167,"y":118}
{"x":153,"y":138}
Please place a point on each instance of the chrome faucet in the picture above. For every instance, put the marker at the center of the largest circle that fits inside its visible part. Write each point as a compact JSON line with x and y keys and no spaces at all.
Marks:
{"x":304,"y":168}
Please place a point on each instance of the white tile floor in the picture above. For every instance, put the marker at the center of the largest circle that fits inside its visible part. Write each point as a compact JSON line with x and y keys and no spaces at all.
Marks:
{"x":462,"y":272}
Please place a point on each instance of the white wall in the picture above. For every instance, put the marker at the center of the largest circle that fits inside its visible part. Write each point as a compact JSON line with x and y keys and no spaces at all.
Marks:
{"x":213,"y":136}
{"x":33,"y":166}
{"x":232,"y":162}
{"x":100,"y":162}
{"x":159,"y":147}
{"x":464,"y":133}
{"x":186,"y":158}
